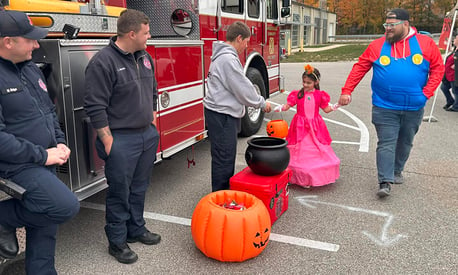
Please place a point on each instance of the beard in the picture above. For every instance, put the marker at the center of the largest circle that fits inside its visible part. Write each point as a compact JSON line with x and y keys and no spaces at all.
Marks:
{"x":395,"y":37}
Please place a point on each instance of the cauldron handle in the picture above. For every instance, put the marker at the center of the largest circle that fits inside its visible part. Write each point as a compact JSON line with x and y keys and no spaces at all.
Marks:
{"x":248,"y":157}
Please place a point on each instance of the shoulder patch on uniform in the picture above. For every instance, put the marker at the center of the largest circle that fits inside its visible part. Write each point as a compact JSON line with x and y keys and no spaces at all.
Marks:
{"x":42,"y":85}
{"x":147,"y":63}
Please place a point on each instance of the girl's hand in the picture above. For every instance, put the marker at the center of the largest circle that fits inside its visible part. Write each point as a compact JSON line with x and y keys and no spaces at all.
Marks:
{"x":335,"y":106}
{"x":285,"y":107}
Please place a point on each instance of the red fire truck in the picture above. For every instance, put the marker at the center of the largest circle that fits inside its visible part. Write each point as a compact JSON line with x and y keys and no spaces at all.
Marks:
{"x":181,"y":45}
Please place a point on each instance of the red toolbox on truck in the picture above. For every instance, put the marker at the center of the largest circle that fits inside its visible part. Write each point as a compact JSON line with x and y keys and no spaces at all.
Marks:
{"x":272,"y":190}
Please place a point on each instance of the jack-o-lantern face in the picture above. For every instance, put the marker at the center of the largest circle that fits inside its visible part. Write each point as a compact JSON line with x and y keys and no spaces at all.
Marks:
{"x":230,"y":235}
{"x":277,"y":128}
{"x":261,"y":238}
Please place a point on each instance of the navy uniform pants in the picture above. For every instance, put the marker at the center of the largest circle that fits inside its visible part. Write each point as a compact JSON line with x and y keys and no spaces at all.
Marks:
{"x":128,"y":170}
{"x":46,"y":203}
{"x":222,"y":132}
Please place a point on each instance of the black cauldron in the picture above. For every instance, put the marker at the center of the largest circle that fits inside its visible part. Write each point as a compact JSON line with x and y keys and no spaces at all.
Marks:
{"x":267,"y":156}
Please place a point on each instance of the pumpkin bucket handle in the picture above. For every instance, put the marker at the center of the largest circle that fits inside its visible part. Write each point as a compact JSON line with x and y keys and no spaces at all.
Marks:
{"x":272,"y":115}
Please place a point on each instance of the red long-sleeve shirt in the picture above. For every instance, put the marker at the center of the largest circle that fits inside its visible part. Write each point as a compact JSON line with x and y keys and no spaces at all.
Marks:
{"x":399,"y":49}
{"x":449,"y":70}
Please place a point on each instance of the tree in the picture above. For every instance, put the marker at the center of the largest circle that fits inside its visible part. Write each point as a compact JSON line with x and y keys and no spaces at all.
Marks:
{"x":367,"y":16}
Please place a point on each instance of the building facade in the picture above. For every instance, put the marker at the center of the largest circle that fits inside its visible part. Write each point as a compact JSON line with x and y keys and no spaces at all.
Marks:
{"x":307,"y":26}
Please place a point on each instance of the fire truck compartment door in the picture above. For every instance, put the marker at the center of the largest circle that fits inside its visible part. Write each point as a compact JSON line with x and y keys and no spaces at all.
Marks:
{"x":179,"y":73}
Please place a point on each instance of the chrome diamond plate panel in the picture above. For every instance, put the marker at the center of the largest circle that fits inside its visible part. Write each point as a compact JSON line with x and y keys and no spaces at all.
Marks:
{"x":160,"y":11}
{"x":86,"y":22}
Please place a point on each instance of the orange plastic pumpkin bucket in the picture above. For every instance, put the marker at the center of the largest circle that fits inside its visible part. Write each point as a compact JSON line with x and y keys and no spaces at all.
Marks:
{"x":230,"y":235}
{"x":277,"y":128}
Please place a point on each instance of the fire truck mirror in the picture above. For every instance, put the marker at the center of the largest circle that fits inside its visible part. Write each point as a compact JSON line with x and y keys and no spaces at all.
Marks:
{"x":286,"y":3}
{"x":286,"y":8}
{"x":285,"y":12}
{"x":181,"y":22}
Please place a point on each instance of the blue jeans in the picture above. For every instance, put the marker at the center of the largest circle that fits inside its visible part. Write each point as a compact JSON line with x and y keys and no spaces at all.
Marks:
{"x":451,"y":100}
{"x":128,"y":170}
{"x":395,"y":132}
{"x":46,"y":203}
{"x":222,"y":132}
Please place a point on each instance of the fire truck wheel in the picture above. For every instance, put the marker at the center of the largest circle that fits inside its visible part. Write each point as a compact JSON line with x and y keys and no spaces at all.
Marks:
{"x":253,"y":118}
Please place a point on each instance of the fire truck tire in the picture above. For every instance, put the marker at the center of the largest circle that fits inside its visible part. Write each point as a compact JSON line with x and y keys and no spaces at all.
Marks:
{"x":253,"y":118}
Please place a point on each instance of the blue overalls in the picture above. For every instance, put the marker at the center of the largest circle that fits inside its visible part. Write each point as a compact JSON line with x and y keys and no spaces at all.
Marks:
{"x":397,"y":83}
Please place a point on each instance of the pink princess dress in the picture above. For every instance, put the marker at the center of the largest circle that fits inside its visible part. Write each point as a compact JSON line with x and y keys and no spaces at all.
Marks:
{"x":312,"y":160}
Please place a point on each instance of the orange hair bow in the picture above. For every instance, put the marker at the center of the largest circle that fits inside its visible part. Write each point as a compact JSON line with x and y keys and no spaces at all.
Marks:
{"x":308,"y":69}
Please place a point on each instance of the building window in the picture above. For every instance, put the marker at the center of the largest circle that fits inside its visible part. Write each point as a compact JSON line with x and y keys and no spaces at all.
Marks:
{"x":317,"y":30}
{"x":325,"y":31}
{"x":305,"y":38}
{"x":253,"y":8}
{"x":232,"y":6}
{"x":272,"y":9}
{"x":307,"y":20}
{"x":295,"y":36}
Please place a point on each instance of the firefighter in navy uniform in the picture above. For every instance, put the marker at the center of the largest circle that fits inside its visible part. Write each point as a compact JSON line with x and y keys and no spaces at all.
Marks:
{"x":31,"y":145}
{"x":120,"y":99}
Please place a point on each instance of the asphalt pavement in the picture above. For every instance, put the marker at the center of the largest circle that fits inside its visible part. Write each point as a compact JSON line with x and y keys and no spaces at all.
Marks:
{"x":342,"y":228}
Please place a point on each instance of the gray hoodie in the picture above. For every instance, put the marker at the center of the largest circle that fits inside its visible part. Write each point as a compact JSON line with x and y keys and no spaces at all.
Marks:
{"x":229,"y":90}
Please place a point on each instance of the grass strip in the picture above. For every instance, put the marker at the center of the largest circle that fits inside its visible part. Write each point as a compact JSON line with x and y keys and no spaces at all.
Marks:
{"x":344,"y":53}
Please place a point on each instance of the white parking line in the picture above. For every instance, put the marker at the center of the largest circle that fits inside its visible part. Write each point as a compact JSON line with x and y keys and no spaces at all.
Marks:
{"x":184,"y":221}
{"x":304,"y":242}
{"x":364,"y":139}
{"x":361,"y":127}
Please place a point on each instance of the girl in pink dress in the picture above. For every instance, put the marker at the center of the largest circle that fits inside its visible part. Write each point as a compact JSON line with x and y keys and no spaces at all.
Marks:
{"x":312,"y":160}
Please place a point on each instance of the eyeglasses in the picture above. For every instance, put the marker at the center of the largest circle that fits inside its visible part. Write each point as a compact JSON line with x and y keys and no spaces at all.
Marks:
{"x":392,"y":25}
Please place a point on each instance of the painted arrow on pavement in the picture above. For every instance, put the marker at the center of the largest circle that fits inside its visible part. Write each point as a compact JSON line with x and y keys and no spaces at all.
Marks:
{"x":382,"y":240}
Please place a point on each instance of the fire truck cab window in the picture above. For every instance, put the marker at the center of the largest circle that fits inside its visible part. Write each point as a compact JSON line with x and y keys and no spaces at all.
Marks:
{"x":253,"y":8}
{"x":272,"y":9}
{"x":232,"y":6}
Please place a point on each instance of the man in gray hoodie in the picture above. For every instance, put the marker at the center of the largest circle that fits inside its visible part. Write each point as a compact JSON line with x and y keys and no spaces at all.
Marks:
{"x":229,"y":91}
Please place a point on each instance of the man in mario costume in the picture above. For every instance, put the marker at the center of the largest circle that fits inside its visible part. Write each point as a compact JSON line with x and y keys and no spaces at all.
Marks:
{"x":407,"y":69}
